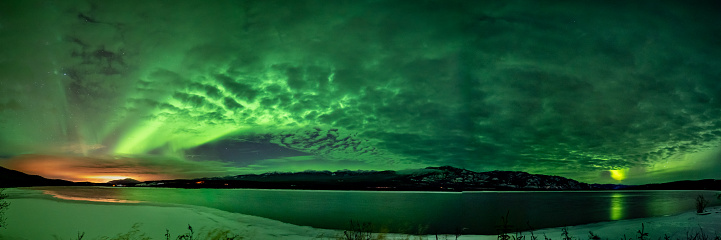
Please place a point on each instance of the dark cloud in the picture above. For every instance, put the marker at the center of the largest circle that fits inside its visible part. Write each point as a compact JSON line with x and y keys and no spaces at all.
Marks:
{"x":231,"y":104}
{"x":328,"y":143}
{"x":241,"y":152}
{"x":236,"y":88}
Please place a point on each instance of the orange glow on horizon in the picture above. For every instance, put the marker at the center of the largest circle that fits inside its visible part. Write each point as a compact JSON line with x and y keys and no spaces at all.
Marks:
{"x":104,"y":179}
{"x":81,"y":169}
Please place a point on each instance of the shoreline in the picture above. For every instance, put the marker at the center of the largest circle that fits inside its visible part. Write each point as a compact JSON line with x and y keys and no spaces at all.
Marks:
{"x":34,"y":215}
{"x":30,"y":218}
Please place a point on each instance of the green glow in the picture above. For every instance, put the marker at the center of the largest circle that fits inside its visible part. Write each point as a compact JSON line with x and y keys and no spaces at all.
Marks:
{"x":208,"y":134}
{"x":619,"y":174}
{"x":157,"y":134}
{"x":139,"y":140}
{"x":370,"y":83}
{"x":617,"y":206}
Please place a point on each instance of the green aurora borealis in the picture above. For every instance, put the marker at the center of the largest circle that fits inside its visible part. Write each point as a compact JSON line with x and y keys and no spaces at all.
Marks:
{"x":195,"y":89}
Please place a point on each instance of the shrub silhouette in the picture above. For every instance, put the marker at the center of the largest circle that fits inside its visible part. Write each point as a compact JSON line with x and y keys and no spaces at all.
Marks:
{"x":358,"y":231}
{"x":701,"y":203}
{"x":3,"y":206}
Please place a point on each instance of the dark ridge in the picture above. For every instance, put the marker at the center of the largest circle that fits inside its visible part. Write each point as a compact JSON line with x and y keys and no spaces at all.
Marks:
{"x":445,"y":178}
{"x":12,"y":178}
{"x":706,"y":184}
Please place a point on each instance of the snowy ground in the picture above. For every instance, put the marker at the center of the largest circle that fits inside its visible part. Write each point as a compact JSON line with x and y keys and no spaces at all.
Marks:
{"x":36,"y":216}
{"x":675,"y":227}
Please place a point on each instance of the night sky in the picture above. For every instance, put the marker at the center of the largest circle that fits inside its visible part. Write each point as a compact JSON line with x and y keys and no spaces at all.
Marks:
{"x":598,"y":91}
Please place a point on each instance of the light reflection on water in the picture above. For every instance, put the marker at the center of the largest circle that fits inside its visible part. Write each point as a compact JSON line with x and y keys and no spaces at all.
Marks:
{"x":616,"y":206}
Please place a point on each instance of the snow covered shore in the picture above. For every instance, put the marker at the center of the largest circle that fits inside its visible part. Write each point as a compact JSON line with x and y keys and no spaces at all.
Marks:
{"x":33,"y":215}
{"x":49,"y":219}
{"x":675,"y":227}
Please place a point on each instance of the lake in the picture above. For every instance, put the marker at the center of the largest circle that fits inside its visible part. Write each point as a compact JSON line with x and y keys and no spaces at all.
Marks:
{"x":410,"y":212}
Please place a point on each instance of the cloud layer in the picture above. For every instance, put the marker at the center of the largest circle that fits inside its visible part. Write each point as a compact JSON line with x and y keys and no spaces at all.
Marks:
{"x":547,"y":87}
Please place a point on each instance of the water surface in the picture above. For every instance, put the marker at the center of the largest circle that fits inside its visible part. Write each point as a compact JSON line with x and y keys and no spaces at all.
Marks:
{"x":411,"y":212}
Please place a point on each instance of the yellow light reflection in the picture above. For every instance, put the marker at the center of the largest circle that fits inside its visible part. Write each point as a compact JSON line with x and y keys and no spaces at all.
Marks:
{"x":616,"y":206}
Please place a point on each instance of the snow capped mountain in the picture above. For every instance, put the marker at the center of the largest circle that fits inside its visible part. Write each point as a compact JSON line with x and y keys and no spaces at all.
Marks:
{"x":462,"y":179}
{"x":444,"y":178}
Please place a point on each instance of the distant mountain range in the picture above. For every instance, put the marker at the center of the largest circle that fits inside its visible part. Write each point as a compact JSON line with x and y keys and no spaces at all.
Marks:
{"x":444,"y":178}
{"x":706,"y":184}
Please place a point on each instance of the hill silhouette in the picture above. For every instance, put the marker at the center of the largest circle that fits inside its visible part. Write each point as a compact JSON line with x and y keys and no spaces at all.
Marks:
{"x":12,"y":178}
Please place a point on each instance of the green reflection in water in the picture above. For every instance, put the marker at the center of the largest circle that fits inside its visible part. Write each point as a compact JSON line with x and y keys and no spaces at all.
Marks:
{"x":616,"y":206}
